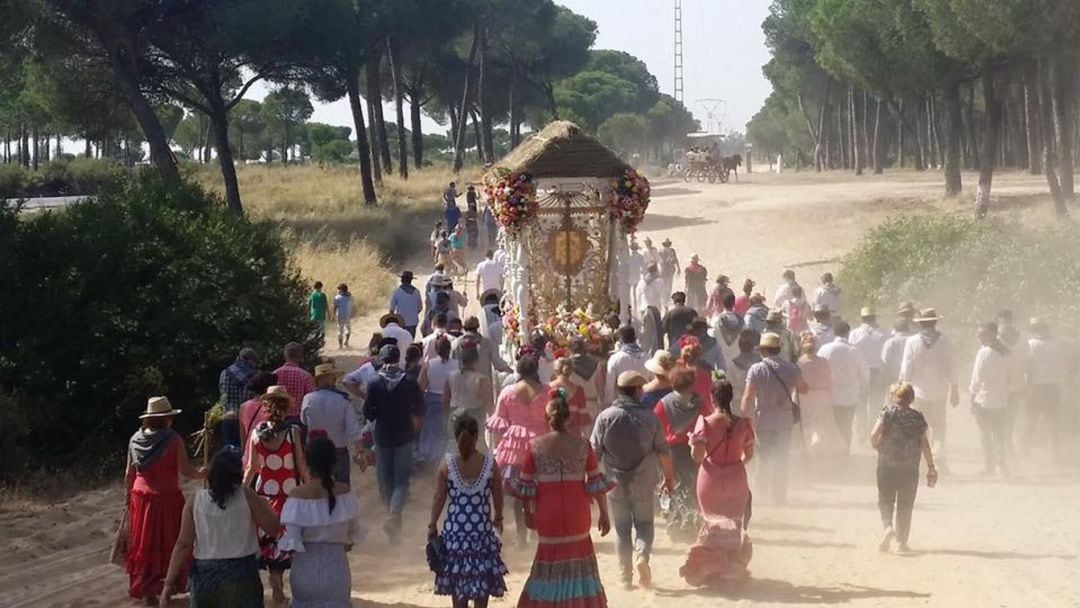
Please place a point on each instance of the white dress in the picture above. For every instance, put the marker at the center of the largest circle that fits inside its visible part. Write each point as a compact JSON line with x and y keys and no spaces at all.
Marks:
{"x":318,"y":537}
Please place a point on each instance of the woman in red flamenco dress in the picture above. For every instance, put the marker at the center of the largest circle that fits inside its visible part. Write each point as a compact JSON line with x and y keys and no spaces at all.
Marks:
{"x":156,"y":461}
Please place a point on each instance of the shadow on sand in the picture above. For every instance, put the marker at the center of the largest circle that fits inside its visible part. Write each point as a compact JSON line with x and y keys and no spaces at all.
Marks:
{"x":992,"y":554}
{"x":657,"y":221}
{"x":780,"y":592}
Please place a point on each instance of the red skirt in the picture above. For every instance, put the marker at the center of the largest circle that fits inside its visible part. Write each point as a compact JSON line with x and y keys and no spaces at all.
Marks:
{"x":155,"y":525}
{"x":564,"y":575}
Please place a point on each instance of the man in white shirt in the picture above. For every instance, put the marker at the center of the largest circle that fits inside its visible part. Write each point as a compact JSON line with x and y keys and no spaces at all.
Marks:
{"x":850,"y":378}
{"x":783,"y":292}
{"x":892,"y":351}
{"x":652,"y":256}
{"x":870,"y":339}
{"x":822,"y":325}
{"x":628,"y":357}
{"x":489,"y":274}
{"x":391,"y":324}
{"x":990,"y":383}
{"x":438,"y":324}
{"x":927,"y":365}
{"x":669,"y":269}
{"x":1045,"y":373}
{"x":651,"y":300}
{"x":828,"y":294}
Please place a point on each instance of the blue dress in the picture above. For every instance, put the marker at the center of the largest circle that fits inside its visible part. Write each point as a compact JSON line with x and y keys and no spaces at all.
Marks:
{"x":474,"y":566}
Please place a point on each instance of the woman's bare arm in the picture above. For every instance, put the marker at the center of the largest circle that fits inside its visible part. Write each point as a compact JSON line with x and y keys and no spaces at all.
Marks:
{"x":877,"y":434}
{"x":261,"y":512}
{"x":298,"y":454}
{"x":184,"y":464}
{"x":497,"y":496}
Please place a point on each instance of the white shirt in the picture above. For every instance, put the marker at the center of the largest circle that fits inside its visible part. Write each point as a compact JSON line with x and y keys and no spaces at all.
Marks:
{"x":892,"y":355}
{"x":395,"y":331}
{"x":850,"y":376}
{"x":783,"y":294}
{"x":429,"y":342}
{"x":829,"y":297}
{"x":619,"y":362}
{"x":651,"y":255}
{"x":870,"y":341}
{"x":928,"y":368}
{"x":650,"y":293}
{"x":1045,"y":363}
{"x":227,"y":533}
{"x":502,"y":259}
{"x":635,"y":263}
{"x":489,"y":274}
{"x":438,"y":373}
{"x":991,"y":378}
{"x":823,"y":333}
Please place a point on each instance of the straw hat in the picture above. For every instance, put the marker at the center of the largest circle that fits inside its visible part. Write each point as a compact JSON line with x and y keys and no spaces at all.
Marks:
{"x":631,"y":379}
{"x":279,"y":390}
{"x":868,"y":311}
{"x":159,"y":407}
{"x":769,"y":340}
{"x":441,"y":280}
{"x":325,"y":369}
{"x":907,"y":309}
{"x":661,"y":363}
{"x":927,"y":315}
{"x":391,"y":317}
{"x":666,"y":243}
{"x":1038,"y":324}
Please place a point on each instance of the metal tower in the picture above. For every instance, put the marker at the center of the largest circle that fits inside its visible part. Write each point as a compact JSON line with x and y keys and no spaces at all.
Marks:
{"x":714,"y":114}
{"x":678,"y":52}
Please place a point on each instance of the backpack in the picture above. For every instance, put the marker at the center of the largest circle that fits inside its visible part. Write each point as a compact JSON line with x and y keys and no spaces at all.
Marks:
{"x":796,"y":319}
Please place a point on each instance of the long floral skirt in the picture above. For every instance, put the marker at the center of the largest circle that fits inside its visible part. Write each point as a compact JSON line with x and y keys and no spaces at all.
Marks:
{"x":564,"y":575}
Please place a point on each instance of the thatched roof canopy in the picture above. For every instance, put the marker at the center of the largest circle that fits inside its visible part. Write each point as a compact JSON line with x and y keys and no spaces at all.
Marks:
{"x":562,"y":149}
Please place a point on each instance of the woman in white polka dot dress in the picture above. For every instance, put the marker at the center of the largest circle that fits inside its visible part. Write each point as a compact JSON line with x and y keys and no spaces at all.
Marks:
{"x":279,"y":464}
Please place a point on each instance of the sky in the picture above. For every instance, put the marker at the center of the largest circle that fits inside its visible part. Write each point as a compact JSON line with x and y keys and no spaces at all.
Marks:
{"x":723,"y":51}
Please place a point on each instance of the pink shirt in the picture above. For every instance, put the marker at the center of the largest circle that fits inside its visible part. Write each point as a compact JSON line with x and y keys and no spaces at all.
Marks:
{"x":297,"y":382}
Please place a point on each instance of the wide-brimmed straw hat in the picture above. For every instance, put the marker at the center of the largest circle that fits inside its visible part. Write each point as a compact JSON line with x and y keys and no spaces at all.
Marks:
{"x":661,"y":363}
{"x":769,"y":340}
{"x":159,"y":407}
{"x":868,"y":311}
{"x":325,"y":369}
{"x":441,"y":280}
{"x":927,"y":315}
{"x":391,"y":317}
{"x":907,"y":309}
{"x":666,"y":243}
{"x":1038,"y":324}
{"x":631,"y":379}
{"x":279,"y":390}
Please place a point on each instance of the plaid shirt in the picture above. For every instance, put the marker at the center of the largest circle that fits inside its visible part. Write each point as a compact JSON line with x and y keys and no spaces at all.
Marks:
{"x":233,"y":385}
{"x":297,"y":382}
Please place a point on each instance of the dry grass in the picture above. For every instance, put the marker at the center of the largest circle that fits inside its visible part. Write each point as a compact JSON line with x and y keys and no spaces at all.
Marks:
{"x":338,"y":239}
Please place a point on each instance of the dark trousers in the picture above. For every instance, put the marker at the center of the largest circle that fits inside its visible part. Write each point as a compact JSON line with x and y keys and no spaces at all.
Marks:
{"x":897,"y":487}
{"x":844,"y":415}
{"x":992,"y":424}
{"x":230,"y":431}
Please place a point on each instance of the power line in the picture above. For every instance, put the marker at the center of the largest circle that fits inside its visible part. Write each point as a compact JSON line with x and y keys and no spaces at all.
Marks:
{"x":714,"y":114}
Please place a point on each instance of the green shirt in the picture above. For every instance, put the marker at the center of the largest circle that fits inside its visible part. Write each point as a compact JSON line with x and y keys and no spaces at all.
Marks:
{"x":317,"y":306}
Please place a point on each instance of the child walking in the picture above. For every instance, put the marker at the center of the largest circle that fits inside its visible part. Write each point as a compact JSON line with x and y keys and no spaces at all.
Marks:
{"x":343,"y":313}
{"x":473,"y":569}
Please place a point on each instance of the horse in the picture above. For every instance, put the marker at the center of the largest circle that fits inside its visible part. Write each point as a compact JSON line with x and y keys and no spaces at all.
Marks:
{"x":732,"y":163}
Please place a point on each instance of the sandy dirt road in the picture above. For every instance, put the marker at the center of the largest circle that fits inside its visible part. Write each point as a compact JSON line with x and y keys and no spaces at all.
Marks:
{"x":977,"y":541}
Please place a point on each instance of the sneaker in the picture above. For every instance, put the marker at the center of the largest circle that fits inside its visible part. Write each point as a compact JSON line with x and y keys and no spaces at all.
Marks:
{"x":644,"y":572}
{"x":886,"y":540}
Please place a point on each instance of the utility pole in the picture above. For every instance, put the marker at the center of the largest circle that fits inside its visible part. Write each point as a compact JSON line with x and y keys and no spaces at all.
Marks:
{"x":714,"y":114}
{"x":678,"y":52}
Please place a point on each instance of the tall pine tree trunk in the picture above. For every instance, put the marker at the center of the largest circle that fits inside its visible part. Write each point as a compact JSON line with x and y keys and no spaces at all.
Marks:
{"x":378,"y":122}
{"x":879,"y":164}
{"x":219,"y":120}
{"x":1045,"y":69}
{"x":953,"y":179}
{"x":511,"y":90}
{"x":373,"y":139}
{"x":1031,"y":118}
{"x":991,"y":128}
{"x":463,"y":122}
{"x":363,"y":151}
{"x":417,"y":129}
{"x":1062,"y":100}
{"x":399,"y":112}
{"x":853,"y":125}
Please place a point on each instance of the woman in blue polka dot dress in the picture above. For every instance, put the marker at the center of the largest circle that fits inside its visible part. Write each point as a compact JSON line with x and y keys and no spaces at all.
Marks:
{"x":470,"y":481}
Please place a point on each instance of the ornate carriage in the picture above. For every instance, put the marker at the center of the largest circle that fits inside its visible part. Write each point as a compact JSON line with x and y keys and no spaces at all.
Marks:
{"x":566,"y":205}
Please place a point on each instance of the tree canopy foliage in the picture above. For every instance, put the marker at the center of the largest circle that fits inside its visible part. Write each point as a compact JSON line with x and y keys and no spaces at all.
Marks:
{"x":939,"y":83}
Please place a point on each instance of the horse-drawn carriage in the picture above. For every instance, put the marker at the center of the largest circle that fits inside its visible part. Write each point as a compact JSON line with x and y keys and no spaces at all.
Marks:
{"x":702,"y":166}
{"x":704,"y":161}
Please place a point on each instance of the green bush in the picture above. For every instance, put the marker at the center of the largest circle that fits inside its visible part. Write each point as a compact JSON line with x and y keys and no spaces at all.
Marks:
{"x":968,"y":269}
{"x":66,"y":177}
{"x":144,"y":290}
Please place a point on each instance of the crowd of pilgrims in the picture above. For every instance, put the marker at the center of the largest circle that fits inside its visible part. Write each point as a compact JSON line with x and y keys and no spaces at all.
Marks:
{"x":663,"y":422}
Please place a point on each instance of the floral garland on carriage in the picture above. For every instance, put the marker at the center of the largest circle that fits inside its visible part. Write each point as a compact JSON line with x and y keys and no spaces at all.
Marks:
{"x":562,"y":328}
{"x":628,"y":200}
{"x":513,"y":198}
